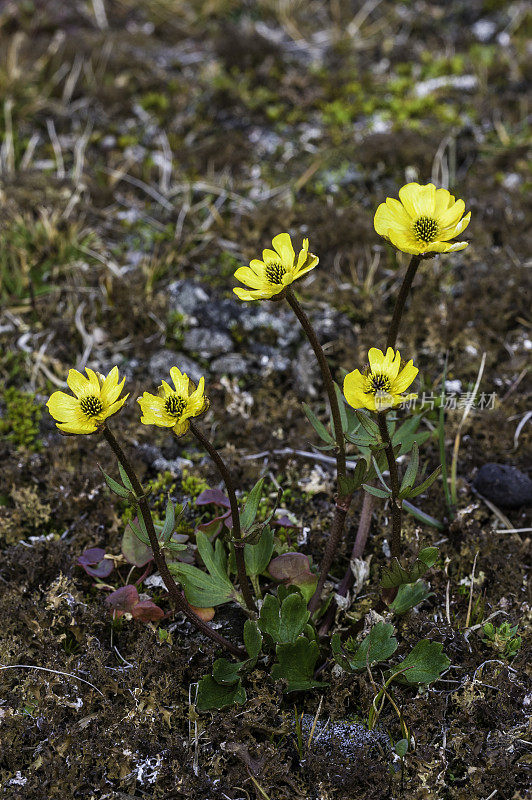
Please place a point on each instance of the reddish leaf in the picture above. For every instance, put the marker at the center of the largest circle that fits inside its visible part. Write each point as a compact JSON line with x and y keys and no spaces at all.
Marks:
{"x":147,"y":611}
{"x":94,"y":563}
{"x":291,"y":568}
{"x":206,"y":614}
{"x":123,"y":599}
{"x":213,"y":497}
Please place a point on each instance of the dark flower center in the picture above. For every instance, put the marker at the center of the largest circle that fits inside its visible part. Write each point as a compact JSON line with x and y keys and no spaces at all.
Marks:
{"x":425,"y":229}
{"x":274,"y":273}
{"x":379,"y":383}
{"x":175,"y":405}
{"x":91,"y":405}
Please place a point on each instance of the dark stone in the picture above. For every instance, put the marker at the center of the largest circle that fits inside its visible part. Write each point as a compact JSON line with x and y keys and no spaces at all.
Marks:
{"x":207,"y":343}
{"x":504,"y":485}
{"x":230,"y":364}
{"x":161,"y":362}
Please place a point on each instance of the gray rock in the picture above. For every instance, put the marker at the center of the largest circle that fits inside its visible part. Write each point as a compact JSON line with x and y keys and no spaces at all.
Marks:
{"x":504,"y":485}
{"x":344,"y":737}
{"x":207,"y":343}
{"x":230,"y":364}
{"x":187,"y":296}
{"x":161,"y":362}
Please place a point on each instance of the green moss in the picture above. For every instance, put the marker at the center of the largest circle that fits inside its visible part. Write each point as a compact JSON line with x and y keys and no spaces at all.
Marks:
{"x":192,"y":485}
{"x":20,"y":423}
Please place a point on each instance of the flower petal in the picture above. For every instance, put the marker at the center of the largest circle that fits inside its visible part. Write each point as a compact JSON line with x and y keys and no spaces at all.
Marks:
{"x":354,"y":389}
{"x":250,"y":278}
{"x":405,"y":378}
{"x":94,"y":387}
{"x":181,"y":381}
{"x":391,"y":215}
{"x":376,"y":359}
{"x":444,"y":200}
{"x":451,"y":215}
{"x":454,"y":230}
{"x":78,"y":383}
{"x":419,"y":201}
{"x":406,"y":243}
{"x":63,"y":406}
{"x":78,"y":427}
{"x":283,"y":244}
{"x":113,"y":408}
{"x":311,"y":262}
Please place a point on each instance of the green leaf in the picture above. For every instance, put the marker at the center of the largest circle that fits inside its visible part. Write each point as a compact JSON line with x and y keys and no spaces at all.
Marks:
{"x":378,"y":645}
{"x":284,"y":623}
{"x":410,"y":595}
{"x":114,"y":486}
{"x":212,"y":694}
{"x":417,"y":513}
{"x":426,"y":483}
{"x":258,"y":556}
{"x":214,"y":560}
{"x":369,"y":426}
{"x":135,"y":551}
{"x":318,"y":426}
{"x":169,"y":522}
{"x":341,"y":408}
{"x":410,"y":473}
{"x":351,"y":482}
{"x":401,"y":747}
{"x":375,"y":491}
{"x":396,"y":575}
{"x":202,"y":590}
{"x":425,"y":663}
{"x":125,"y":480}
{"x":140,"y":531}
{"x":249,"y":512}
{"x":252,"y":638}
{"x":428,"y":555}
{"x":297,"y":661}
{"x":226,"y":672}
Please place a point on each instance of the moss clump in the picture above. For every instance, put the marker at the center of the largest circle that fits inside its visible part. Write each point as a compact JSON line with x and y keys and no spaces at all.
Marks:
{"x":192,"y":486}
{"x":20,"y":423}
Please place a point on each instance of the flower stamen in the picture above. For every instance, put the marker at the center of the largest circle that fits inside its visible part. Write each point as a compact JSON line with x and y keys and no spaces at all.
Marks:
{"x":274,"y":273}
{"x":378,"y":383}
{"x":425,"y":229}
{"x":91,"y":405}
{"x":175,"y":405}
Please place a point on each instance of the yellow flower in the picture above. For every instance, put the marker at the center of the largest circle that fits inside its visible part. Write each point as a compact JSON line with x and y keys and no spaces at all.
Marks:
{"x":277,"y":270}
{"x":96,"y":398}
{"x":381,"y":385}
{"x":173,"y":409}
{"x":424,"y":221}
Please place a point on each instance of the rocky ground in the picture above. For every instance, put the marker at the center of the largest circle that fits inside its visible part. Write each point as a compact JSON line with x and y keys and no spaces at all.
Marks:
{"x":148,"y":149}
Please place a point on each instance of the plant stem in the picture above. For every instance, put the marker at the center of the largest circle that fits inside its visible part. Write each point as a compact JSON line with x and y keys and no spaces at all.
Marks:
{"x":401,"y":300}
{"x":343,"y":501}
{"x":237,"y":533}
{"x":327,"y":379}
{"x":394,"y":480}
{"x":171,"y":586}
{"x":358,"y":551}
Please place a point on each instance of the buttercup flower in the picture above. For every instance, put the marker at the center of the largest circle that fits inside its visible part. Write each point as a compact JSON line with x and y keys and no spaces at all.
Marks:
{"x":278,"y":269}
{"x":174,"y":408}
{"x":96,"y":398}
{"x":424,"y":221}
{"x":383,"y":382}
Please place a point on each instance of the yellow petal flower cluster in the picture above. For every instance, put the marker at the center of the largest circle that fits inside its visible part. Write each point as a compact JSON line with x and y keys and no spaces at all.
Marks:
{"x":95,"y":399}
{"x":173,"y":408}
{"x":277,"y":270}
{"x":424,"y":221}
{"x":383,"y":382}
